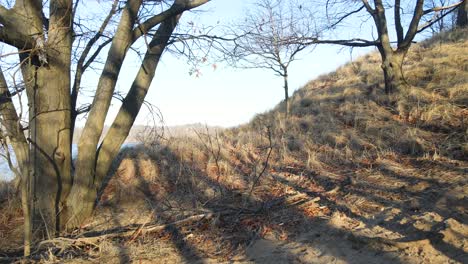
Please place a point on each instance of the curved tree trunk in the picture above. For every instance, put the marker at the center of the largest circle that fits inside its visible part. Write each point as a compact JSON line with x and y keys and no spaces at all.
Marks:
{"x":82,"y":196}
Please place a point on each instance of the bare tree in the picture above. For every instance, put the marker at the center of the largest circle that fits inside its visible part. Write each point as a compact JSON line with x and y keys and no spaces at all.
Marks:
{"x":54,"y":48}
{"x":260,"y":40}
{"x":405,"y":14}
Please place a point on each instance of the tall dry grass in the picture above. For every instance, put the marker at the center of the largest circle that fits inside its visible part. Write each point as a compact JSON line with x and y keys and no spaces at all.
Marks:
{"x":339,"y":121}
{"x":345,"y":118}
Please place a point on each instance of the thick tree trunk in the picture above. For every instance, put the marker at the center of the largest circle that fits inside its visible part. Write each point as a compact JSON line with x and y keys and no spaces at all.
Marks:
{"x":46,"y":72}
{"x":462,"y":15}
{"x":392,"y":66}
{"x":50,"y":136}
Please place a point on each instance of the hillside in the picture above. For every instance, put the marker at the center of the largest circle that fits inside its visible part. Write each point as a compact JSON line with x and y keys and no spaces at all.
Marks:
{"x":353,"y":176}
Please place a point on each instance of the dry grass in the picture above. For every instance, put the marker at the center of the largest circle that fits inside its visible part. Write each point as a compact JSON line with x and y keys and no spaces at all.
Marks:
{"x":369,"y":158}
{"x":347,"y":113}
{"x":344,"y":135}
{"x":11,"y":218}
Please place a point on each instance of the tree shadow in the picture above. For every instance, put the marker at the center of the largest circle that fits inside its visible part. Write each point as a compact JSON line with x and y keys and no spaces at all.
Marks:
{"x":242,"y":228}
{"x":151,"y":202}
{"x":424,"y":200}
{"x":181,"y":186}
{"x":242,"y":219}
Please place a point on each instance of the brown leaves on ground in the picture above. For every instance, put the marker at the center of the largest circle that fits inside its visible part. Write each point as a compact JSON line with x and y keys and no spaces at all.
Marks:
{"x":355,"y":176}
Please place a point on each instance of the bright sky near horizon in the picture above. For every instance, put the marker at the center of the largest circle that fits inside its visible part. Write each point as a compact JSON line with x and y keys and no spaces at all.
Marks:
{"x":225,"y":96}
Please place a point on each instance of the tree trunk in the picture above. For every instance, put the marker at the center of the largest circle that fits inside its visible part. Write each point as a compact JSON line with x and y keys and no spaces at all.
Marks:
{"x":14,"y":132}
{"x":286,"y":95}
{"x":121,"y":126}
{"x":57,"y":200}
{"x":50,"y":135}
{"x":392,"y":66}
{"x":462,"y":15}
{"x":46,"y":72}
{"x":82,"y":198}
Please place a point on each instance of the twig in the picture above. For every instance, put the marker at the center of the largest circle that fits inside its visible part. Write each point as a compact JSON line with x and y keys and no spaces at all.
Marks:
{"x":216,"y":153}
{"x":270,"y":148}
{"x":138,"y":231}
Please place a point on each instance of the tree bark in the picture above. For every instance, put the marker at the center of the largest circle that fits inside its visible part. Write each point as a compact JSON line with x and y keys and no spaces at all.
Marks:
{"x":462,"y":15}
{"x":286,"y":95}
{"x":14,"y":132}
{"x":46,"y":71}
{"x":122,"y":124}
{"x":392,"y":66}
{"x":82,"y":198}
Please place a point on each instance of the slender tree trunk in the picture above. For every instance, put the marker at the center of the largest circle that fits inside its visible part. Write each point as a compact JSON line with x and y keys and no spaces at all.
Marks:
{"x":392,"y":60}
{"x":82,"y":197}
{"x":110,"y":147}
{"x":462,"y":15}
{"x":286,"y":95}
{"x":14,"y":132}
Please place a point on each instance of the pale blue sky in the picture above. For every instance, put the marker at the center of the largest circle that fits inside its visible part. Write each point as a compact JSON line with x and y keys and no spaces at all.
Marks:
{"x":226,"y":96}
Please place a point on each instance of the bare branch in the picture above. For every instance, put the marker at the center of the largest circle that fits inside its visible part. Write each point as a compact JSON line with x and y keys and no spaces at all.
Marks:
{"x":434,"y":20}
{"x":397,"y":17}
{"x":368,"y":7}
{"x":355,"y":42}
{"x":266,"y":162}
{"x":441,"y":8}
{"x":177,"y":8}
{"x":413,"y":27}
{"x":81,"y":66}
{"x":96,"y":53}
{"x":346,"y":16}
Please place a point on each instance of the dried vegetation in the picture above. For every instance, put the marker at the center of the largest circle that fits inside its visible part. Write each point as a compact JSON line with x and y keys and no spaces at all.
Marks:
{"x":354,"y":176}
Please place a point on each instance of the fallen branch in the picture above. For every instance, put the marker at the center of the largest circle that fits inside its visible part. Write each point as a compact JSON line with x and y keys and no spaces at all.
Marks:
{"x":63,"y":242}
